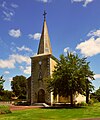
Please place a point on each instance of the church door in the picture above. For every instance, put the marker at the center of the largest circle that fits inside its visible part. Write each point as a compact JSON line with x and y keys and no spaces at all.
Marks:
{"x":41,"y":96}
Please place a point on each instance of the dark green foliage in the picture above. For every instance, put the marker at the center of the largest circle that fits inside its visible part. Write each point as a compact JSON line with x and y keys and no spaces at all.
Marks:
{"x":91,"y":102}
{"x":6,"y":95}
{"x":18,"y":85}
{"x":22,"y":103}
{"x":71,"y":75}
{"x":96,"y":95}
{"x":94,"y":100}
{"x":1,"y":86}
{"x":1,"y":83}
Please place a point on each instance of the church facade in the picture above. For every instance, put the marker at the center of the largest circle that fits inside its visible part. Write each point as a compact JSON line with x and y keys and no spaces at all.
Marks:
{"x":42,"y":66}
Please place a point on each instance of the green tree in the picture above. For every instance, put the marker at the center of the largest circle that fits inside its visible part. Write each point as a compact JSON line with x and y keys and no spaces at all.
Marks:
{"x":1,"y":83}
{"x":70,"y":76}
{"x":97,"y":94}
{"x":18,"y":85}
{"x":6,"y":95}
{"x":1,"y":86}
{"x":89,"y":75}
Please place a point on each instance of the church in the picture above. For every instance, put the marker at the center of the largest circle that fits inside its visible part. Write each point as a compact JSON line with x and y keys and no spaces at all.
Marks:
{"x":42,"y":66}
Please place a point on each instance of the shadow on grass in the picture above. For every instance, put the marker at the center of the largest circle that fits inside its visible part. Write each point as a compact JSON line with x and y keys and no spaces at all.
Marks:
{"x":66,"y":106}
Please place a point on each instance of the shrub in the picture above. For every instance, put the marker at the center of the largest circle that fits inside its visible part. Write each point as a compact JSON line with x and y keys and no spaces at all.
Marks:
{"x":95,"y":100}
{"x":82,"y":104}
{"x":22,"y":103}
{"x":91,"y":102}
{"x":0,"y":98}
{"x":4,"y":109}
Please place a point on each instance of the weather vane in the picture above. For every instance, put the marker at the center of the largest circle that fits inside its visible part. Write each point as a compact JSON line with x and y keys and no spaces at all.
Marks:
{"x":44,"y":14}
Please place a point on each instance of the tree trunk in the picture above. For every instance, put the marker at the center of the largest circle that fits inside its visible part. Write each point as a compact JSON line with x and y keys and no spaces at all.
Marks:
{"x":87,"y":92}
{"x":87,"y":96}
{"x":71,"y":99}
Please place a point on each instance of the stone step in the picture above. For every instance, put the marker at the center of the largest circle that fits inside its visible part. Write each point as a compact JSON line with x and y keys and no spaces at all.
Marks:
{"x":41,"y":104}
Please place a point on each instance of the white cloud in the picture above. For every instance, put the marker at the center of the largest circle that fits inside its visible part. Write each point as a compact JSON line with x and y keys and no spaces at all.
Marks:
{"x":35,"y":36}
{"x":7,"y":63}
{"x":6,"y":72}
{"x":13,"y":59}
{"x":77,"y":0}
{"x":20,"y":58}
{"x":85,"y":2}
{"x":8,"y":10}
{"x":44,"y":1}
{"x":97,"y":76}
{"x":14,"y":5}
{"x":8,"y":15}
{"x":23,"y":48}
{"x":25,"y":70}
{"x":3,"y":5}
{"x":89,"y":47}
{"x":21,"y":67}
{"x":15,"y":33}
{"x":94,"y":33}
{"x":66,"y":50}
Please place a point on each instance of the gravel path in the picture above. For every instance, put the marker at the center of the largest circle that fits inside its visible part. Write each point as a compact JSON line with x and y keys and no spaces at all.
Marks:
{"x":12,"y":107}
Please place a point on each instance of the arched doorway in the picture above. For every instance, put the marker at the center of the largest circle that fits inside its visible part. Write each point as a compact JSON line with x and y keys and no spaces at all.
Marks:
{"x":41,"y":96}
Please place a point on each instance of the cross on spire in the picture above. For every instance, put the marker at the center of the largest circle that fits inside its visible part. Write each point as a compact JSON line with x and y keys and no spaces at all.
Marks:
{"x":44,"y":14}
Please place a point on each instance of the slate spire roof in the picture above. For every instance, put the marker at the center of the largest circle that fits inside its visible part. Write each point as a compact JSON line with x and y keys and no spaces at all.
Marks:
{"x":44,"y":45}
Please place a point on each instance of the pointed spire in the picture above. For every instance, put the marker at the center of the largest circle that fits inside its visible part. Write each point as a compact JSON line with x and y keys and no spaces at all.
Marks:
{"x":44,"y":45}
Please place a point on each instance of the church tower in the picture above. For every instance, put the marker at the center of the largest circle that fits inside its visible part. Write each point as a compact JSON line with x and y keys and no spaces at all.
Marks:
{"x":42,"y":66}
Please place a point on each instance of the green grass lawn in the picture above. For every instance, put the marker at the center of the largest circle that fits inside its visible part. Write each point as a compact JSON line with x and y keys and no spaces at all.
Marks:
{"x":54,"y":114}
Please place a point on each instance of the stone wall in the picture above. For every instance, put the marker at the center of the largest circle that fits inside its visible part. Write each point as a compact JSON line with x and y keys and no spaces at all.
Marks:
{"x":38,"y":75}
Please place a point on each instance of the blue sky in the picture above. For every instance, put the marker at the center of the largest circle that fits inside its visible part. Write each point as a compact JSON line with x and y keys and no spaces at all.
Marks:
{"x":73,"y":25}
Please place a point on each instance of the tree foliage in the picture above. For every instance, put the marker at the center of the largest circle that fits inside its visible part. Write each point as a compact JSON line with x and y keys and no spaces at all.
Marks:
{"x":18,"y":85}
{"x":1,"y":83}
{"x":6,"y":95}
{"x":96,"y":94}
{"x":71,"y":75}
